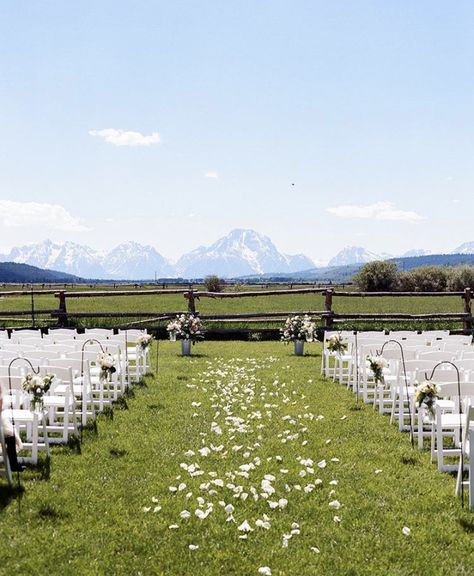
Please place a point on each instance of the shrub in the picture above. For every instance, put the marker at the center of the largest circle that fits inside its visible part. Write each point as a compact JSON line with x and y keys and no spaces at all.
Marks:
{"x":377,"y":276}
{"x":214,"y":283}
{"x":425,"y":279}
{"x":461,"y":277}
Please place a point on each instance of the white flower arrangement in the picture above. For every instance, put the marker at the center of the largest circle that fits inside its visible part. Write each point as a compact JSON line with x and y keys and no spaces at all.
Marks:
{"x":335,"y":343}
{"x":377,"y":364}
{"x":184,"y":327}
{"x":106,"y":363}
{"x":144,"y":341}
{"x":298,"y":328}
{"x":37,"y":386}
{"x":426,"y":394}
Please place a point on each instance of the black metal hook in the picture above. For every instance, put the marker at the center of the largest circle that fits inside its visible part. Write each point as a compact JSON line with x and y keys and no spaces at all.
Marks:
{"x":379,"y":353}
{"x":458,"y":377}
{"x":18,"y":358}
{"x":86,"y":342}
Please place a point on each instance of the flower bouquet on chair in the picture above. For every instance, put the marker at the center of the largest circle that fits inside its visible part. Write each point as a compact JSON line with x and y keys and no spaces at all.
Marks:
{"x":377,"y":364}
{"x":426,"y":395}
{"x":144,"y":342}
{"x":106,"y":363}
{"x":336,"y":344}
{"x":298,"y":329}
{"x":37,"y":387}
{"x":188,"y":329}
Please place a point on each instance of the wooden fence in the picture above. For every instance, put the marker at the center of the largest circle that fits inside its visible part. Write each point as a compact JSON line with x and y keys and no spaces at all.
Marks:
{"x":329,"y":318}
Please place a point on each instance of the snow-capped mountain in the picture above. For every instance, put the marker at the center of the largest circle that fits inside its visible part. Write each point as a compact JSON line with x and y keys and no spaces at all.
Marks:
{"x":68,"y":257}
{"x":416,"y":252}
{"x":128,"y":261}
{"x":134,"y":261}
{"x":355,"y":255}
{"x":240,"y":253}
{"x":466,"y":248}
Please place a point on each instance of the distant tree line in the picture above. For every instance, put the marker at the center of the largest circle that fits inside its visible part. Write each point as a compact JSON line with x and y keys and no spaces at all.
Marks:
{"x":383,"y":276}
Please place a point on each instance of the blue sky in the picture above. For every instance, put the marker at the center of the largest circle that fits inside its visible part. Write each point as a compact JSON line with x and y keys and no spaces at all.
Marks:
{"x":319,"y":124}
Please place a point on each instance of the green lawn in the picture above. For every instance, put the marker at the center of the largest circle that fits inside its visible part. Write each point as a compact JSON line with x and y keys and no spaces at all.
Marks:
{"x":109,"y":510}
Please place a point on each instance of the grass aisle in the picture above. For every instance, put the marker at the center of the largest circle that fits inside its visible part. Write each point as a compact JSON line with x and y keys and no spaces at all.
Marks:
{"x":241,"y":435}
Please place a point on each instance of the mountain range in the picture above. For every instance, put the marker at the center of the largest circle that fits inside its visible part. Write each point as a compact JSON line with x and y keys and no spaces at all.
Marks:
{"x":240,"y":253}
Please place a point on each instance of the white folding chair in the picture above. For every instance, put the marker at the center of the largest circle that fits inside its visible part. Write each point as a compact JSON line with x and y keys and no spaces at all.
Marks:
{"x":32,"y":424}
{"x":468,"y":451}
{"x":449,"y":424}
{"x":60,"y":404}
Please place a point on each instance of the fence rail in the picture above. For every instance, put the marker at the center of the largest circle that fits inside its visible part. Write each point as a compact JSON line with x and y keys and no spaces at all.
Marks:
{"x":328,"y":315}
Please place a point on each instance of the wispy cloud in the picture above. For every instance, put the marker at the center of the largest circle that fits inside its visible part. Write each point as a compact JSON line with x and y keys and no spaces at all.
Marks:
{"x":35,"y":214}
{"x":211,"y":174}
{"x":376,"y":211}
{"x":119,"y":137}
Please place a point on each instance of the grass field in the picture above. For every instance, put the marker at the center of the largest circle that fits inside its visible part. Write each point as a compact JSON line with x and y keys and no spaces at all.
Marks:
{"x":326,"y":486}
{"x":207,"y":306}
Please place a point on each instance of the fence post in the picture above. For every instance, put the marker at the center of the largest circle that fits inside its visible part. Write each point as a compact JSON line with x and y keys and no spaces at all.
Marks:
{"x":189,"y":295}
{"x":328,"y":321}
{"x":62,"y":317}
{"x":467,"y":309}
{"x":32,"y":308}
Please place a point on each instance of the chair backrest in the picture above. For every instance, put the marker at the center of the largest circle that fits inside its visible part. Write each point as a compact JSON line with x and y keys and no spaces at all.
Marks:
{"x":22,"y":334}
{"x":37,"y":356}
{"x":63,"y":373}
{"x":133,"y":334}
{"x":99,"y":332}
{"x":60,"y":348}
{"x":75,"y":364}
{"x":14,"y":371}
{"x":15,"y":347}
{"x":437,"y":355}
{"x":464,"y":365}
{"x":451,"y":389}
{"x":68,"y":332}
{"x":466,"y":353}
{"x":15,"y":384}
{"x":88,"y":355}
{"x":417,"y":368}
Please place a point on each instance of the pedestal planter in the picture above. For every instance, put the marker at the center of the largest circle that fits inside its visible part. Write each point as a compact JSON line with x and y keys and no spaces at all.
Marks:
{"x":299,"y":347}
{"x":186,"y":347}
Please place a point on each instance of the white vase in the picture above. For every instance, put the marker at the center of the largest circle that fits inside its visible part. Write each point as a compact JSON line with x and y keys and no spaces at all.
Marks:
{"x":186,"y":347}
{"x":299,"y":347}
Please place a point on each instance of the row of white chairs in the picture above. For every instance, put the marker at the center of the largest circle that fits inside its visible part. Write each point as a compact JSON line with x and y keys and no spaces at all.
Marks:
{"x":450,"y":354}
{"x":78,"y":392}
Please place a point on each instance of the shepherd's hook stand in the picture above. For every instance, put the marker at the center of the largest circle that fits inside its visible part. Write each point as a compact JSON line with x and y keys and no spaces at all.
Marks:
{"x":36,"y":372}
{"x":86,"y":342}
{"x":458,"y":376}
{"x":379,"y":353}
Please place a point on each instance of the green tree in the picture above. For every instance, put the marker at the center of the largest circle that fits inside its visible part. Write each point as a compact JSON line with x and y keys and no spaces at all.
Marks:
{"x":378,"y":276}
{"x":214,"y":283}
